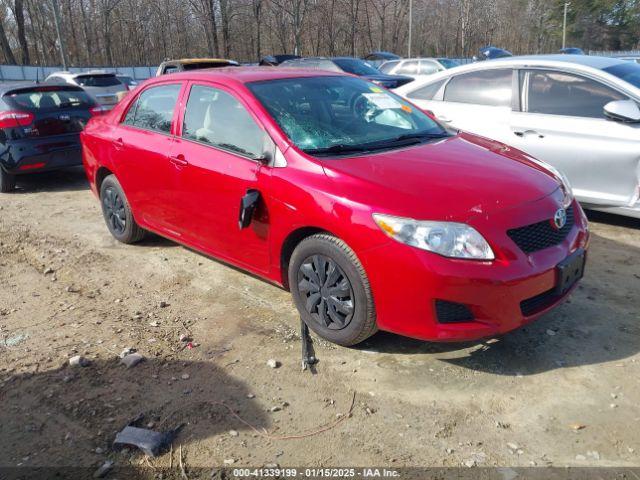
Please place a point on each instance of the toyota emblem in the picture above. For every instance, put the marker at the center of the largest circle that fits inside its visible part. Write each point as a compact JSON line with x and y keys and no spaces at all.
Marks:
{"x":560,"y":218}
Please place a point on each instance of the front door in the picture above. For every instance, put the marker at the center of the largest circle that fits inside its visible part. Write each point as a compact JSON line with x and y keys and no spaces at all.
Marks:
{"x":217,"y":152}
{"x":563,"y":124}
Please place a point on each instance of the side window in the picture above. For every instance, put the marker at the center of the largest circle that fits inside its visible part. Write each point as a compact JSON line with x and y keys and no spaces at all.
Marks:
{"x":386,"y":67}
{"x":170,"y":69}
{"x":556,"y":93}
{"x":427,"y":68}
{"x":428,"y":91}
{"x":408,"y":68}
{"x":216,"y":118}
{"x":486,"y":87}
{"x":153,"y":109}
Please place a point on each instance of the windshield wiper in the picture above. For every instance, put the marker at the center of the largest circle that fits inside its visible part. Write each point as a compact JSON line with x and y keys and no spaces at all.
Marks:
{"x":400,"y":141}
{"x":338,"y":148}
{"x":421,"y":135}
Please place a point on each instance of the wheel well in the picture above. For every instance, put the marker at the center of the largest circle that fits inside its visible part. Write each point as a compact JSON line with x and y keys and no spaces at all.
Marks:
{"x":290,"y":244}
{"x":101,"y":174}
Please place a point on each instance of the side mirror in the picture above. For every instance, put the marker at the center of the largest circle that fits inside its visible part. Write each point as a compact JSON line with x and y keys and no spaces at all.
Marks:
{"x":248,"y":204}
{"x":626,"y":111}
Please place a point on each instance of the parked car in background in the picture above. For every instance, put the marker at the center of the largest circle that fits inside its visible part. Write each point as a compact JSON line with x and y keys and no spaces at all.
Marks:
{"x":101,"y":85}
{"x":491,"y":53}
{"x":417,"y":67}
{"x":578,"y":113}
{"x":378,"y":58}
{"x":355,"y":66}
{"x":40,"y":128}
{"x":275,"y":60}
{"x":186,"y":64}
{"x":127,"y":81}
{"x":372,"y":214}
{"x":571,"y":51}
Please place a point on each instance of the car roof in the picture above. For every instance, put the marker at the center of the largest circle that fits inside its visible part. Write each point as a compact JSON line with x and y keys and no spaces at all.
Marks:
{"x":593,"y":61}
{"x":199,"y":60}
{"x":248,"y":74}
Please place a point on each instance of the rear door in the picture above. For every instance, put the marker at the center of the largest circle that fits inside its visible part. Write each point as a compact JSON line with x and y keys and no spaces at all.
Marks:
{"x":562,"y":123}
{"x":480,"y":102}
{"x":141,"y":147}
{"x":218,"y":149}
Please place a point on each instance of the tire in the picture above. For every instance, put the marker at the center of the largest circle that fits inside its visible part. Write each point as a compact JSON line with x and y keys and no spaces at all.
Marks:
{"x":7,"y":181}
{"x":326,"y":260}
{"x":117,"y":212}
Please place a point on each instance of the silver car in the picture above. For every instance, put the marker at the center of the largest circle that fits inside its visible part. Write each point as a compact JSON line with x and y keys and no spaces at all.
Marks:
{"x":577,"y":113}
{"x":102,"y":86}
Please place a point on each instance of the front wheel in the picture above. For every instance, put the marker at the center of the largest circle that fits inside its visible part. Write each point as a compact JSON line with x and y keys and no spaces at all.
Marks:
{"x":331,"y":290}
{"x":117,"y":212}
{"x":7,"y":181}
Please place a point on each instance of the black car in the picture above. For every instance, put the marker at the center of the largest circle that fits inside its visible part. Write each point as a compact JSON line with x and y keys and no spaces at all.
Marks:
{"x":40,"y":128}
{"x":571,"y":51}
{"x":378,"y":58}
{"x":275,"y":60}
{"x":491,"y":53}
{"x":351,"y":65}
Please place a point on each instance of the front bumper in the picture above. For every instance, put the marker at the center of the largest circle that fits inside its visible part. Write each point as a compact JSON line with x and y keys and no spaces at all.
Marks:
{"x":406,"y":282}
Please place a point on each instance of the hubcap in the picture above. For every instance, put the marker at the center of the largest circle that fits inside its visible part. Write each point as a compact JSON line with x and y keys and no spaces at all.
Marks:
{"x":114,"y":210}
{"x":327,"y":292}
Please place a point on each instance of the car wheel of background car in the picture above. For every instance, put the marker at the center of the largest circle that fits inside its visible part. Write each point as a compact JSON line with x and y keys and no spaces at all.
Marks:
{"x":117,"y":212}
{"x":7,"y":181}
{"x":331,"y":290}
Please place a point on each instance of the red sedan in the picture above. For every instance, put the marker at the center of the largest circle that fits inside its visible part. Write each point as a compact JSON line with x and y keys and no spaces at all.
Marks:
{"x":372,"y":214}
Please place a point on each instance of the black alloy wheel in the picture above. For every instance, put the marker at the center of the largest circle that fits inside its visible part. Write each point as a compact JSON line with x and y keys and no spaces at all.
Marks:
{"x":327,"y":290}
{"x":117,"y":212}
{"x":114,"y":210}
{"x":331,"y":290}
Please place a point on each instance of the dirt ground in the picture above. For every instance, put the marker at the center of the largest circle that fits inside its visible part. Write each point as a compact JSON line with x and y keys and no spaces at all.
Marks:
{"x":564,"y":391}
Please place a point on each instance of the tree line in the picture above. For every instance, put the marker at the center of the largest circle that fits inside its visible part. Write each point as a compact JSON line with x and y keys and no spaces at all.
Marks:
{"x":145,"y":32}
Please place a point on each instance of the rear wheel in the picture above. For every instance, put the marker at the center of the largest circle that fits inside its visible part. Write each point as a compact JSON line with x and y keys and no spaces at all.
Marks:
{"x":117,"y":212}
{"x":7,"y":181}
{"x":331,"y":290}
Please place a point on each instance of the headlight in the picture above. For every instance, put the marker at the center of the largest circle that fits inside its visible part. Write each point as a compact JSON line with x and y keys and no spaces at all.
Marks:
{"x":456,"y":240}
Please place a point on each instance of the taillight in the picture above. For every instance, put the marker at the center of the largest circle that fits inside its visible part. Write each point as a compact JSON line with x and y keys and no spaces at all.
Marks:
{"x":98,"y":110}
{"x":14,"y":119}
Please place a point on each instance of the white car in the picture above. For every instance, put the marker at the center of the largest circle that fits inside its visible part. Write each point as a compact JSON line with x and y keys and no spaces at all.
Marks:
{"x":417,"y":68}
{"x":104,"y":87}
{"x":578,"y":113}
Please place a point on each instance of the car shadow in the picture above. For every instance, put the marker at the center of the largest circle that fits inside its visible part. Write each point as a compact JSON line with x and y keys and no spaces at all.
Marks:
{"x":70,"y":413}
{"x":613,"y":219}
{"x":67,"y":179}
{"x":597,"y":324}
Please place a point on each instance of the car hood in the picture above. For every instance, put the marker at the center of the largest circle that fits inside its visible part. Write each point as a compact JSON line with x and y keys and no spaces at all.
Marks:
{"x":451,"y":179}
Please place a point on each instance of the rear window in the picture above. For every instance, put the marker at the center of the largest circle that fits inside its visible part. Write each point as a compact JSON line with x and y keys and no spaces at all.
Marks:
{"x":200,"y":65}
{"x":46,"y":98}
{"x":97,"y":80}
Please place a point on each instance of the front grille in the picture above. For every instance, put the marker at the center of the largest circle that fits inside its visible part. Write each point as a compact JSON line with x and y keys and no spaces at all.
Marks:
{"x":451,"y":312}
{"x":541,"y":235}
{"x":536,"y":304}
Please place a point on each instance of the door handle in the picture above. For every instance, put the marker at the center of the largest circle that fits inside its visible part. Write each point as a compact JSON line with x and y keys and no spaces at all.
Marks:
{"x":523,"y":133}
{"x":118,"y":144}
{"x":178,"y":160}
{"x":444,"y":119}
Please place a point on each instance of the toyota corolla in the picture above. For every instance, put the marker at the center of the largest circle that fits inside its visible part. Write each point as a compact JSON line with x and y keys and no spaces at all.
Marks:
{"x":372,"y":214}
